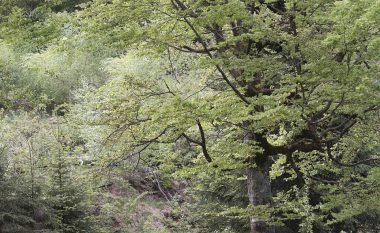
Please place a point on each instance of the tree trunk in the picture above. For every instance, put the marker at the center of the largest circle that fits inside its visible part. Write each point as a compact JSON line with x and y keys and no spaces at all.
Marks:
{"x":259,"y":193}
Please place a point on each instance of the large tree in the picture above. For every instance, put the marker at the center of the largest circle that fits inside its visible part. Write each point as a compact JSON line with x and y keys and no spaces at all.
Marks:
{"x":286,"y":88}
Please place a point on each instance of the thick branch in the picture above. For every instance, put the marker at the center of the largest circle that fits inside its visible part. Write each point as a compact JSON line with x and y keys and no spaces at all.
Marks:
{"x":303,"y":145}
{"x":203,"y":138}
{"x":201,"y":143}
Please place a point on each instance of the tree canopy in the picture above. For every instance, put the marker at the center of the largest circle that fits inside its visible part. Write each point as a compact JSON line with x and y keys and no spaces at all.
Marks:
{"x":210,"y":116}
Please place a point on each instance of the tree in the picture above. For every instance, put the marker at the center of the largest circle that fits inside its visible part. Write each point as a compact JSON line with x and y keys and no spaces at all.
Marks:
{"x":285,"y":85}
{"x":42,"y":184}
{"x":68,"y":189}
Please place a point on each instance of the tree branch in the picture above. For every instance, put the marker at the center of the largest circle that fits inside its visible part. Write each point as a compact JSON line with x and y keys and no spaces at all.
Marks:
{"x":203,"y":138}
{"x":179,"y":5}
{"x":145,"y":144}
{"x":336,"y":161}
{"x":188,"y":49}
{"x":201,"y":143}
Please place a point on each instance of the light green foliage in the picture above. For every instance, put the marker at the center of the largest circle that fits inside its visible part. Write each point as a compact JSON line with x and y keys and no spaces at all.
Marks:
{"x":310,"y":64}
{"x":57,"y":73}
{"x":45,"y":79}
{"x":230,"y":113}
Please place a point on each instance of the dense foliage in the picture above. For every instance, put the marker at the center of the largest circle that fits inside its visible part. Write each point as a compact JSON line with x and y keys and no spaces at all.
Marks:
{"x":190,"y":116}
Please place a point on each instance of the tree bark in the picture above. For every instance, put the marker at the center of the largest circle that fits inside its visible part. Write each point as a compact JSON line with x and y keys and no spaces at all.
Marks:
{"x":259,"y":193}
{"x":259,"y":190}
